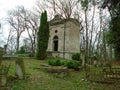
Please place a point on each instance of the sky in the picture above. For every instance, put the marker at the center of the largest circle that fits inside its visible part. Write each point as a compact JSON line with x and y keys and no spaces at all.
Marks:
{"x":6,"y":5}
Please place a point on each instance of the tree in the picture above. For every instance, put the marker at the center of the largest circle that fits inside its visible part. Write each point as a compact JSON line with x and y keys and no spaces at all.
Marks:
{"x":42,"y":37}
{"x":84,"y":6}
{"x":31,"y":25}
{"x":11,"y":42}
{"x":65,"y":8}
{"x":17,"y":23}
{"x":114,"y":9}
{"x":115,"y":36}
{"x":20,"y":20}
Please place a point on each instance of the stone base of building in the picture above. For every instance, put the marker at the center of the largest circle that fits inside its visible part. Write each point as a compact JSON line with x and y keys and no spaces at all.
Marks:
{"x":66,"y":55}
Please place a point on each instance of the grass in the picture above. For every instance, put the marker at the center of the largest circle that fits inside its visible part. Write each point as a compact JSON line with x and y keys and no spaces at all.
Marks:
{"x":40,"y":80}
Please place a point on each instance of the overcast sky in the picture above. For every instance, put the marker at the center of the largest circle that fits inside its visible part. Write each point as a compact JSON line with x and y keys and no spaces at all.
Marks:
{"x":6,"y":5}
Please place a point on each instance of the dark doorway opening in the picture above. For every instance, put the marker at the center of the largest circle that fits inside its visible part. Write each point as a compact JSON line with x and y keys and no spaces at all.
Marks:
{"x":55,"y":42}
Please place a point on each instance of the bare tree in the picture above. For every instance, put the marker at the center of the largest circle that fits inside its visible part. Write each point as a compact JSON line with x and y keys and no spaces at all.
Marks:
{"x":64,"y":8}
{"x":32,"y":27}
{"x":92,"y":29}
{"x":17,"y":23}
{"x":11,"y":44}
{"x":27,"y":44}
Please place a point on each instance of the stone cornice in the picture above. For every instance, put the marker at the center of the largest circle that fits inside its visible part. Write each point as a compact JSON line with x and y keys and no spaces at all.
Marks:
{"x":57,"y":21}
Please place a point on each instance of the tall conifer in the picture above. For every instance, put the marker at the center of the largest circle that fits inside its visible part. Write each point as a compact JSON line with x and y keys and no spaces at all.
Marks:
{"x":42,"y":37}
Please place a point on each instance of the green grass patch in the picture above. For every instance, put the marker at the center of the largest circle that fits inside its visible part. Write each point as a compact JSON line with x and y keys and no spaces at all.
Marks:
{"x":39,"y":80}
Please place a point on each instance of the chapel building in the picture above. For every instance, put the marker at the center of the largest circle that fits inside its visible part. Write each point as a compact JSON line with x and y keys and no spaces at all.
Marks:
{"x":64,"y":37}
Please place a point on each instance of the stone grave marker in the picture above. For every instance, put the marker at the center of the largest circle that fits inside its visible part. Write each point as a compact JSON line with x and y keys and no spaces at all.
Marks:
{"x":20,"y":69}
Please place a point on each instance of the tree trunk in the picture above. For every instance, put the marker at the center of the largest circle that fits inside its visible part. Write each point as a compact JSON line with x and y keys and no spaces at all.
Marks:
{"x":86,"y":51}
{"x":91,"y":38}
{"x":111,"y":53}
{"x":32,"y":41}
{"x":17,"y":47}
{"x":104,"y":47}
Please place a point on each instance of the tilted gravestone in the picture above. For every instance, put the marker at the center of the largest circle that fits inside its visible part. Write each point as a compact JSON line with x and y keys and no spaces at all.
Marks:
{"x":20,"y":69}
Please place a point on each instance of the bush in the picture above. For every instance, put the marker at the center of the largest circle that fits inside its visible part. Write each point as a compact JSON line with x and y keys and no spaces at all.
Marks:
{"x":76,"y":56}
{"x":55,"y":62}
{"x":73,"y":64}
{"x":64,"y":62}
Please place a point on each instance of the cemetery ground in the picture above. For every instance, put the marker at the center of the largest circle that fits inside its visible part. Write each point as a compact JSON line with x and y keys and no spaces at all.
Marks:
{"x":39,"y":79}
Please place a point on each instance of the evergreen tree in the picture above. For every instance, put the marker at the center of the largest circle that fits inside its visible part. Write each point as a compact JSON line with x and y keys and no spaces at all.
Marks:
{"x":42,"y":37}
{"x":114,"y":33}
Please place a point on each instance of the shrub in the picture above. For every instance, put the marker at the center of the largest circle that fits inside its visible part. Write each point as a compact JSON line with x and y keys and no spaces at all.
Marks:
{"x":51,"y":62}
{"x":58,"y":63}
{"x":73,"y":64}
{"x":76,"y":56}
{"x":55,"y":62}
{"x":64,"y":62}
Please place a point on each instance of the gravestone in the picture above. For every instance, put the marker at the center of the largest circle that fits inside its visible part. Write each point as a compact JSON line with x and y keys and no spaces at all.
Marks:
{"x":20,"y":69}
{"x":82,"y":55}
{"x":95,"y":61}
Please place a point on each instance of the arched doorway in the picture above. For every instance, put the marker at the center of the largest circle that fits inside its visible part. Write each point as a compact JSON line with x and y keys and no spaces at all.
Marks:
{"x":55,"y":43}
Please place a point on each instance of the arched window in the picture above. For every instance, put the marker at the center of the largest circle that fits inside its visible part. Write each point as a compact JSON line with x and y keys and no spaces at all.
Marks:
{"x":55,"y":43}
